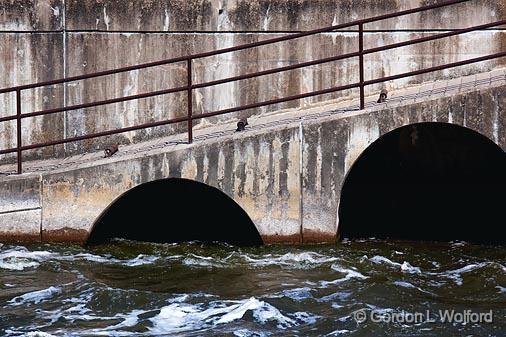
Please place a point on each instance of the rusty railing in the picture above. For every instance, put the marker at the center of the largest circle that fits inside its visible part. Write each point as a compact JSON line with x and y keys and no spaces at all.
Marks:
{"x":190,"y":86}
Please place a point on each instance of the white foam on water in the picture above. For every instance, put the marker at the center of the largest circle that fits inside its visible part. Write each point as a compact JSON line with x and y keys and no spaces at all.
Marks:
{"x":20,"y":258}
{"x":304,"y":259}
{"x":338,"y":295}
{"x":408,"y":268}
{"x":458,"y":243}
{"x":197,"y":263}
{"x":127,"y":320}
{"x":266,"y":312}
{"x":380,"y":310}
{"x":305,"y":317}
{"x":89,"y":257}
{"x":349,"y":274}
{"x":404,"y":284}
{"x":130,"y":319}
{"x":178,"y":317}
{"x":410,"y":286}
{"x":405,"y":266}
{"x":141,"y":260}
{"x":501,"y":289}
{"x":339,"y":332}
{"x":18,"y":265}
{"x":38,"y":334}
{"x":456,"y":274}
{"x":35,"y":296}
{"x":179,"y":298}
{"x":297,"y":294}
{"x":249,"y":333}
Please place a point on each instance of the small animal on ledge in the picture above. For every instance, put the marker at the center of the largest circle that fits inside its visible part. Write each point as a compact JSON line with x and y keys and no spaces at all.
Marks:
{"x":110,"y":150}
{"x":241,"y":125}
{"x":383,"y":96}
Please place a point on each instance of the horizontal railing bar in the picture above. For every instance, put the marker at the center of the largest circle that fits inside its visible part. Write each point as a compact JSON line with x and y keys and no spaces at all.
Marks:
{"x":98,"y":134}
{"x":275,"y":70}
{"x":8,"y":118}
{"x":104,"y":102}
{"x":278,"y":100}
{"x":93,"y":75}
{"x":232,"y":49}
{"x":436,"y":68}
{"x":434,"y":37}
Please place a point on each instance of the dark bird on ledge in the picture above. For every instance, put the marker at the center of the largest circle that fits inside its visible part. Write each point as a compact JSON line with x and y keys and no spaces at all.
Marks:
{"x":110,"y":150}
{"x":241,"y":125}
{"x":383,"y":96}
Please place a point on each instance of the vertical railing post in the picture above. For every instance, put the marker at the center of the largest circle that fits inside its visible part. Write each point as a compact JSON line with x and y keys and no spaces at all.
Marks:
{"x":361,"y":63}
{"x":190,"y":101}
{"x":18,"y":119}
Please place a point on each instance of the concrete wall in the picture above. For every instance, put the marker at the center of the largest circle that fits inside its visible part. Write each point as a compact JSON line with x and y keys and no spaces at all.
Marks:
{"x":288,"y":178}
{"x":47,"y":39}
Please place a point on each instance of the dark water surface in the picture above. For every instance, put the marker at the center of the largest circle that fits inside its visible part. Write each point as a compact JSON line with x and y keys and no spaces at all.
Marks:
{"x":134,"y":289}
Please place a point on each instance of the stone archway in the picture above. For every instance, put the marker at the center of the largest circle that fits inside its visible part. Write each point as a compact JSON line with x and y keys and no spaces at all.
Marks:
{"x":426,"y":181}
{"x":175,"y":210}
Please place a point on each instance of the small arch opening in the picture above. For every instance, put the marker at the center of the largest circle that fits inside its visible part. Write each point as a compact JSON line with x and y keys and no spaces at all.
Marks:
{"x":175,"y":210}
{"x":427,"y":181}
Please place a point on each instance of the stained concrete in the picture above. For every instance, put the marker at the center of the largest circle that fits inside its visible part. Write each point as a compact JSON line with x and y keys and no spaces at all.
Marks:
{"x":31,"y":15}
{"x":286,"y":171}
{"x":20,"y":209}
{"x":47,"y":39}
{"x":265,"y":15}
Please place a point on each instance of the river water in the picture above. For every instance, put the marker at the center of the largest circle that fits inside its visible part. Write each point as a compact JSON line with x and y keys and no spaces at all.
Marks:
{"x":139,"y":289}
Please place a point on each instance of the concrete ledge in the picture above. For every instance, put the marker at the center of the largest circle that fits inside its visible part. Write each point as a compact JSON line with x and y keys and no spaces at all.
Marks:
{"x":21,"y":193}
{"x":20,"y":225}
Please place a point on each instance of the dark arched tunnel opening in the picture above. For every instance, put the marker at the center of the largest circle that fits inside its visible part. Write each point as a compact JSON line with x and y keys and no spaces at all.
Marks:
{"x":173,"y":211}
{"x":427,"y":181}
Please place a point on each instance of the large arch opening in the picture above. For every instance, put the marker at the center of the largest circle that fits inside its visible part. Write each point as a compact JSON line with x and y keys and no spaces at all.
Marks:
{"x":427,"y":181}
{"x":175,"y":210}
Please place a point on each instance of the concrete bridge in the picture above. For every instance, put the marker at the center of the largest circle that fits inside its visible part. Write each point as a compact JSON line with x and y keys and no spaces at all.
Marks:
{"x":286,"y":171}
{"x":320,"y":158}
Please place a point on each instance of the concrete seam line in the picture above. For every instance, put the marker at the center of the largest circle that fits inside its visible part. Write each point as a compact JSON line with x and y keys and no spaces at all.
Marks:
{"x":20,"y":210}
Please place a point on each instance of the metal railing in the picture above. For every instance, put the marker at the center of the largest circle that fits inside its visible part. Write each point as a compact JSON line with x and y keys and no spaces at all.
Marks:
{"x":190,"y":86}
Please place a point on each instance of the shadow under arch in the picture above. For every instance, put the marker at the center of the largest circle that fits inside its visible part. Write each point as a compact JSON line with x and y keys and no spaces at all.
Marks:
{"x":175,"y":210}
{"x":426,"y":181}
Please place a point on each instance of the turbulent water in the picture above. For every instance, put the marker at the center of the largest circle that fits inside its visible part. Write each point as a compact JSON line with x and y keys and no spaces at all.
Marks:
{"x":367,"y":288}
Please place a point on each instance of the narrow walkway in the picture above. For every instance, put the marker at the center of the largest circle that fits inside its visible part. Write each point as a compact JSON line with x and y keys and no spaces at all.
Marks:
{"x":261,"y":123}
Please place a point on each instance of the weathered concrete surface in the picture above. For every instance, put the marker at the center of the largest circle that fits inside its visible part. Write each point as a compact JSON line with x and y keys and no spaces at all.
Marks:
{"x":286,"y":172}
{"x":265,"y":15}
{"x":27,"y":58}
{"x":92,"y":35}
{"x":31,"y":15}
{"x":20,"y":209}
